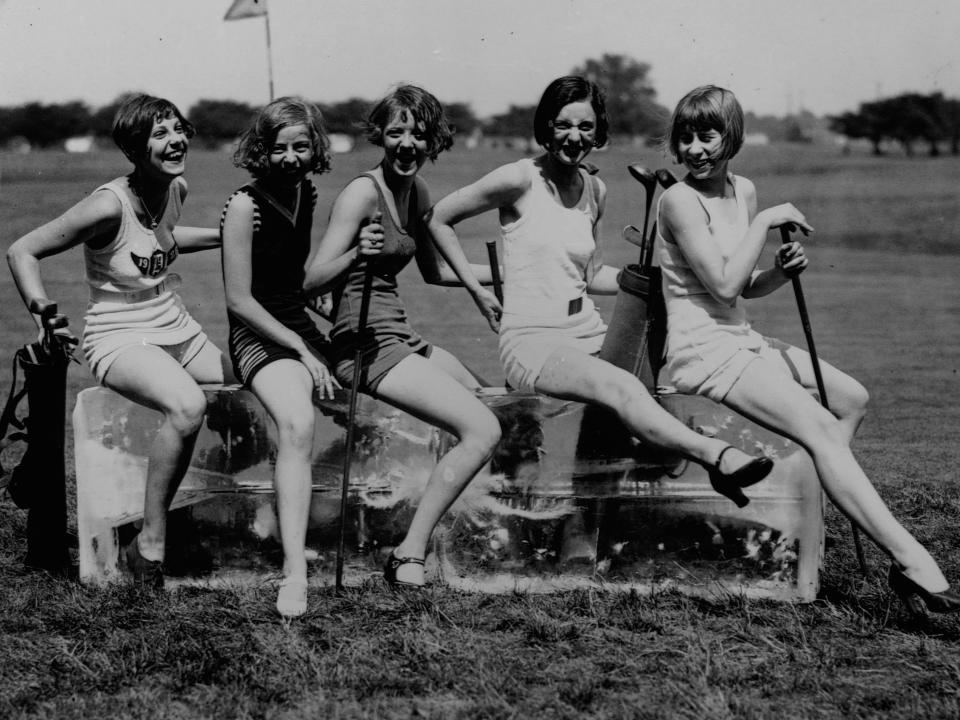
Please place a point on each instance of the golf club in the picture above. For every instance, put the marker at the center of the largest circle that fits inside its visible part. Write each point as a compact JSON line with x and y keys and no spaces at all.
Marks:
{"x":821,"y":388}
{"x":646,"y":177}
{"x":495,"y":269}
{"x":352,"y":412}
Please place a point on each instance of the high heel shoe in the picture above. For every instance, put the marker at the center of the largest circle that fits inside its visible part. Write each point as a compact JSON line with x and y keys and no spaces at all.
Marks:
{"x":393,"y":564}
{"x":917,"y":599}
{"x":729,"y":484}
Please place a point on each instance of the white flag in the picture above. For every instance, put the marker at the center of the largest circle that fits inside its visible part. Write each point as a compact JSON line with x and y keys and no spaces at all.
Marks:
{"x":246,"y":9}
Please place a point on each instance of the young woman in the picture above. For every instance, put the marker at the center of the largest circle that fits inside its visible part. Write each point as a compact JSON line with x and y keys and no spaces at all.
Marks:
{"x":138,"y":339}
{"x":375,"y":226}
{"x":711,"y":237}
{"x":276,"y":349}
{"x":550,"y":331}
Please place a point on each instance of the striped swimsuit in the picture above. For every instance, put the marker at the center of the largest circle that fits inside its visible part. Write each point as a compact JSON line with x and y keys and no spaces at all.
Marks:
{"x":281,"y":243}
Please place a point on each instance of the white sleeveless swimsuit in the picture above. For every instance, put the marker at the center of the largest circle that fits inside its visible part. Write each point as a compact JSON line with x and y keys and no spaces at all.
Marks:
{"x":135,"y":264}
{"x":709,"y":343}
{"x":549,"y":257}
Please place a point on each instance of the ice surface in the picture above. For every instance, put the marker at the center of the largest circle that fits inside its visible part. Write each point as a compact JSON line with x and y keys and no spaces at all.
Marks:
{"x":567,"y":501}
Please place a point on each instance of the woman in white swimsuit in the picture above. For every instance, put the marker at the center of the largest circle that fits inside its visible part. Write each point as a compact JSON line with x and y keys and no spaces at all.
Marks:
{"x":711,"y":237}
{"x":550,"y":331}
{"x":138,"y":340}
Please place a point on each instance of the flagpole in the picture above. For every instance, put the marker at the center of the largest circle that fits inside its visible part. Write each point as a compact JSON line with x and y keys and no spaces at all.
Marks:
{"x":266,"y":20}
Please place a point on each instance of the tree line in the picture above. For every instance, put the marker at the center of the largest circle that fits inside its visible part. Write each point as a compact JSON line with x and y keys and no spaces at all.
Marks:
{"x":908,"y":119}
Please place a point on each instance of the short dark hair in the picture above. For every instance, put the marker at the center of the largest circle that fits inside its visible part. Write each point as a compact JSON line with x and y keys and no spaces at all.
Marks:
{"x":253,"y":151}
{"x":708,"y":107}
{"x":422,"y":106}
{"x":134,"y":122}
{"x":560,"y":93}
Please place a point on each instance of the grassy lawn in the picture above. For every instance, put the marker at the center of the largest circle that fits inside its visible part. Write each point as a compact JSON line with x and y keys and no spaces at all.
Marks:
{"x":882,"y":294}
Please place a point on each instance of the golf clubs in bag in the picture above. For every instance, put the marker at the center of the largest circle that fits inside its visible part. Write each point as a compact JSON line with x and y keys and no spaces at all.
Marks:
{"x":37,"y":484}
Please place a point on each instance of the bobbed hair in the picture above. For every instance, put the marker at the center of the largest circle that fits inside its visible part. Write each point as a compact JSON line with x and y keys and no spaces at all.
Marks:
{"x":253,"y":150}
{"x":708,"y":107}
{"x":134,"y":122}
{"x":560,"y":93}
{"x":425,"y":110}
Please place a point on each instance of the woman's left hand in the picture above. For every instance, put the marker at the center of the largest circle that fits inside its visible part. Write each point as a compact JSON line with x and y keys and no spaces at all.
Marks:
{"x":489,"y":306}
{"x":791,"y":259}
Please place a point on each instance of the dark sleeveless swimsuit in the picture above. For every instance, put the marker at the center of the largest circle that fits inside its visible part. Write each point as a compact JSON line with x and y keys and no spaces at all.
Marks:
{"x":279,"y":252}
{"x":388,"y":338}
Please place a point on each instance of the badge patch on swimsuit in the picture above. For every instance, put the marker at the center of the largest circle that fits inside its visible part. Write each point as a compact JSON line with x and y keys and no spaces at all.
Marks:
{"x":156,"y":263}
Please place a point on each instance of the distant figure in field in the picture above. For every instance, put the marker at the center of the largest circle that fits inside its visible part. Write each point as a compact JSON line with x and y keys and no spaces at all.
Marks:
{"x":138,"y":339}
{"x":276,"y":349}
{"x":549,"y":209}
{"x":710,"y":240}
{"x":375,"y":226}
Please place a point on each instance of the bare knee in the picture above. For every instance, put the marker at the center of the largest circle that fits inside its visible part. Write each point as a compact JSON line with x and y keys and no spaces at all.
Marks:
{"x":482,"y":434}
{"x":619,"y":392}
{"x":295,"y":429}
{"x":825,"y":435}
{"x":185,"y":410}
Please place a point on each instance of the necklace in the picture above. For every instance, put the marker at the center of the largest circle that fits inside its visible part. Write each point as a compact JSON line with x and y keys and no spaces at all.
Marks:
{"x":154,"y":220}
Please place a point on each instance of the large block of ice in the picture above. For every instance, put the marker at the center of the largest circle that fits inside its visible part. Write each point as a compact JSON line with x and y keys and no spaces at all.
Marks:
{"x":567,"y":501}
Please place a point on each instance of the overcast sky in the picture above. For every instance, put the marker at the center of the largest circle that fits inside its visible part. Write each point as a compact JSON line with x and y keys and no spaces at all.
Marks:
{"x":777,"y":55}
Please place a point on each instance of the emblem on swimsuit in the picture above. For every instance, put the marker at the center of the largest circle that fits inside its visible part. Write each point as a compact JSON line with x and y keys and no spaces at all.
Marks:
{"x":156,"y":263}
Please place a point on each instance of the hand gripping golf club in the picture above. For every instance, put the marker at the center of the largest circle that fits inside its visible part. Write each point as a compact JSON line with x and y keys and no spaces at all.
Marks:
{"x":352,"y":412}
{"x":821,"y":388}
{"x":646,"y":177}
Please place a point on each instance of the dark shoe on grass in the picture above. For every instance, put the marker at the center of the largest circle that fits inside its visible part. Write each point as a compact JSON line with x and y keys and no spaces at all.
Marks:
{"x":146,"y":573}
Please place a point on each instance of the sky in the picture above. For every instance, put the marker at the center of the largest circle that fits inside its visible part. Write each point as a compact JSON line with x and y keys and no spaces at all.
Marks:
{"x":778,"y":56}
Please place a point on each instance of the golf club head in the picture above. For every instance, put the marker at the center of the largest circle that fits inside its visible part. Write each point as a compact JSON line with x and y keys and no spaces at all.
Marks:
{"x":633,"y":235}
{"x":666,"y":178}
{"x":643,"y":175}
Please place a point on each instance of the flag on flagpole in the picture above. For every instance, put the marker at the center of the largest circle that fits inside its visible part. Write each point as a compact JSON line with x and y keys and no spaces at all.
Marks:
{"x":241,"y":9}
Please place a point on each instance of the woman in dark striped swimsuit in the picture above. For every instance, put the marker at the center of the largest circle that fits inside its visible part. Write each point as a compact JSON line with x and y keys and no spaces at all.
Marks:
{"x":276,"y":349}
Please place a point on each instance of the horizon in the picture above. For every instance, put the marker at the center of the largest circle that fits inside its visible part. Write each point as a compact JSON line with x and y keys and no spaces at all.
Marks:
{"x":825,"y":57}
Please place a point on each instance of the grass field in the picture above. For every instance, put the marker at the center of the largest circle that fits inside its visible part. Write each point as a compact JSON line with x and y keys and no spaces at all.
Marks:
{"x":884,"y":304}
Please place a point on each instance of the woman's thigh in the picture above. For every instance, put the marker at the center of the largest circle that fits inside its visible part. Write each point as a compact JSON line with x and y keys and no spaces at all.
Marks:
{"x":148,"y":375}
{"x":424,"y":389}
{"x":286,"y":388}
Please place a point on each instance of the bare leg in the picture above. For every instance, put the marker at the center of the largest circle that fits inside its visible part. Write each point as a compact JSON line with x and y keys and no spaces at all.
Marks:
{"x":420,"y":387}
{"x":573,"y":375}
{"x":149,"y":376}
{"x":847,"y":398}
{"x":286,"y":390}
{"x":762,"y":394}
{"x":451,"y":365}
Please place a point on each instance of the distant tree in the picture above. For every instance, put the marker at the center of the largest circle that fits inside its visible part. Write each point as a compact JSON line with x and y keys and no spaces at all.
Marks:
{"x":630,"y":96}
{"x":346,"y":117}
{"x":220,"y":120}
{"x":515,"y":122}
{"x":907,"y":118}
{"x":45,"y":125}
{"x":950,"y":116}
{"x":101,"y":121}
{"x":461,"y":117}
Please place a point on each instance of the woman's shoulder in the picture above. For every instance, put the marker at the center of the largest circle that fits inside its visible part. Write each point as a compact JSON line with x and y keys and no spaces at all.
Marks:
{"x":743,"y":185}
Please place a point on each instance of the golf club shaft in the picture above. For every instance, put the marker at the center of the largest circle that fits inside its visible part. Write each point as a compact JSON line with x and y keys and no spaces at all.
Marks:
{"x":495,"y":269}
{"x":821,"y":388}
{"x":352,"y":416}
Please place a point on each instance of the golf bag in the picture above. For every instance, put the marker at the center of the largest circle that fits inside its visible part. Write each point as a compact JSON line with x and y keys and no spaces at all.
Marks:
{"x":37,"y":484}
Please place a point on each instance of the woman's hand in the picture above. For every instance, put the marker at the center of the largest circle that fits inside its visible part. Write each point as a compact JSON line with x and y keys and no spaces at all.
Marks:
{"x":489,"y":306}
{"x":791,"y":259}
{"x":786,"y":214}
{"x":323,"y":380}
{"x":371,"y":236}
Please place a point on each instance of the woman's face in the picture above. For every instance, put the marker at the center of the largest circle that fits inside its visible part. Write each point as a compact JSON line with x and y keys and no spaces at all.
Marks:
{"x":166,"y":152}
{"x":290,"y":155}
{"x":700,"y":150}
{"x":404,"y":145}
{"x":574,"y":132}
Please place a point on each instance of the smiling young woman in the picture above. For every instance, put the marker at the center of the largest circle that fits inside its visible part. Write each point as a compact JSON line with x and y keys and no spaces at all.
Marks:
{"x":138,"y":338}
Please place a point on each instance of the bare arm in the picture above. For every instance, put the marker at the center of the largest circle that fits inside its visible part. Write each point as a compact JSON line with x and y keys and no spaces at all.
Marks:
{"x":684,"y":220}
{"x":337,"y":249}
{"x":95,"y":217}
{"x":601,"y":279}
{"x":192,"y":239}
{"x":430,"y":261}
